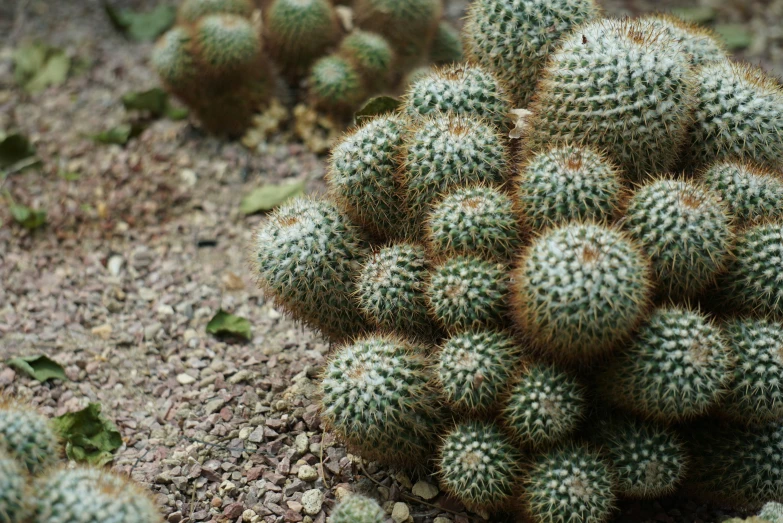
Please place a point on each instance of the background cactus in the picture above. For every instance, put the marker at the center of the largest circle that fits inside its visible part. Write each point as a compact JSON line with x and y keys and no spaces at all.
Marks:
{"x":446,"y":46}
{"x":335,"y":84}
{"x":699,"y":44}
{"x":13,"y":490}
{"x":190,"y":11}
{"x":371,"y":54}
{"x":751,"y":193}
{"x":27,"y":436}
{"x":298,"y":31}
{"x":358,"y":509}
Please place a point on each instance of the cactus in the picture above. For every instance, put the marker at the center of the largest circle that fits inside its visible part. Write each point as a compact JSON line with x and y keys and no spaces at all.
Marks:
{"x":376,"y":395}
{"x":446,"y":46}
{"x":545,"y":406}
{"x":390,"y":289}
{"x":738,"y":115}
{"x":361,"y":176}
{"x":567,"y":484}
{"x":474,"y":367}
{"x":371,"y":53}
{"x":474,"y":221}
{"x":13,"y":499}
{"x":460,"y":89}
{"x":91,"y":496}
{"x":298,"y":32}
{"x":513,"y":39}
{"x":174,"y":61}
{"x":467,"y":292}
{"x":27,"y":436}
{"x":190,"y":11}
{"x":756,"y":391}
{"x":336,"y":85}
{"x":773,"y":511}
{"x":445,"y":152}
{"x":579,"y":100}
{"x":700,"y":44}
{"x":685,"y":229}
{"x":568,"y":183}
{"x":752,"y":193}
{"x":649,"y":459}
{"x":753,"y":280}
{"x":677,"y":367}
{"x":478,"y":465}
{"x":226,"y":44}
{"x":358,"y":509}
{"x":308,"y":258}
{"x":579,"y":289}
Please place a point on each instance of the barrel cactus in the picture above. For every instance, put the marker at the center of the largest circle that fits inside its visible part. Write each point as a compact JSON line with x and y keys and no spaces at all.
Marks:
{"x":27,"y":436}
{"x":358,"y":509}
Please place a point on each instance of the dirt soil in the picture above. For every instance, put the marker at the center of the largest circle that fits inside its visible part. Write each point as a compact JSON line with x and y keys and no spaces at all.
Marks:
{"x":140,"y":252}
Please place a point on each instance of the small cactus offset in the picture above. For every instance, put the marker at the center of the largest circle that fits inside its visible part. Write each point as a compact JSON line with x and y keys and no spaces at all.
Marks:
{"x":752,"y":193}
{"x":336,"y":84}
{"x":299,"y":30}
{"x":699,"y":44}
{"x":27,"y":436}
{"x":358,"y":509}
{"x":14,"y":504}
{"x":371,"y":54}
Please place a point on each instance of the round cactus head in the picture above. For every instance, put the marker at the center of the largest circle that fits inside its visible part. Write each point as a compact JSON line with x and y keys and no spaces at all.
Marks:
{"x":545,"y":406}
{"x":460,"y":89}
{"x":579,"y":289}
{"x":299,"y":31}
{"x":27,"y":436}
{"x":226,"y":44}
{"x":478,"y":465}
{"x":173,"y":58}
{"x":677,"y":367}
{"x":376,"y":394}
{"x":699,"y":43}
{"x":568,"y":183}
{"x":371,"y":53}
{"x":474,"y":367}
{"x":446,"y":46}
{"x":513,"y":39}
{"x":685,"y":229}
{"x":308,"y":257}
{"x":190,"y":11}
{"x":467,"y":291}
{"x":358,"y":509}
{"x":335,"y":84}
{"x":474,"y":220}
{"x":752,"y":193}
{"x":570,"y":482}
{"x":773,"y":511}
{"x":577,"y":100}
{"x":13,"y":490}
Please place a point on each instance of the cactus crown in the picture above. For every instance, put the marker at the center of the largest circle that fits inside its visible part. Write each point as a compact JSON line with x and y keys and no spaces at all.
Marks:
{"x":752,"y":193}
{"x":190,"y":11}
{"x":371,"y":52}
{"x":227,"y":42}
{"x":335,"y":83}
{"x":700,"y":44}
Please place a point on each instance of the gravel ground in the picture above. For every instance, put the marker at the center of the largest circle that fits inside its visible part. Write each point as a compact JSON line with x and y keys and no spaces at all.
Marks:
{"x":138,"y":255}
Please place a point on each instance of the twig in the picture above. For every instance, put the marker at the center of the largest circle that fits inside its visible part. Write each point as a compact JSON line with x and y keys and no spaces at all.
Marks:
{"x":323,"y":474}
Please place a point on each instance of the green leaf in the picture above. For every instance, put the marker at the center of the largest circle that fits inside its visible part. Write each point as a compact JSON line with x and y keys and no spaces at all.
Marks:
{"x":118,"y":135}
{"x":53,"y":73}
{"x":89,"y":436}
{"x":377,"y":106}
{"x":141,"y":27}
{"x":14,"y":148}
{"x":38,"y":66}
{"x":267,"y":197}
{"x":735,"y":36}
{"x":176,"y":113}
{"x":40,"y":368}
{"x":225,"y":324}
{"x":154,"y":100}
{"x":695,"y":14}
{"x":28,"y":218}
{"x":69,"y":176}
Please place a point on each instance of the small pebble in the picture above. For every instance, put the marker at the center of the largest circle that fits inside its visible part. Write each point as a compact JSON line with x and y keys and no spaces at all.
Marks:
{"x":424,"y":490}
{"x":312,"y":500}
{"x":307,"y":473}
{"x":185,"y":379}
{"x":400,"y":513}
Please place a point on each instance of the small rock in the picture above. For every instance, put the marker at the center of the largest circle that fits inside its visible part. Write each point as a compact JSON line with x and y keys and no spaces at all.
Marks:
{"x":214,"y":406}
{"x":165,"y":310}
{"x":307,"y":473}
{"x":185,"y":379}
{"x":403,"y":480}
{"x":248,"y":515}
{"x":301,"y":443}
{"x":312,"y":500}
{"x":151,"y":330}
{"x":400,"y":513}
{"x":442,"y":520}
{"x":340,"y":493}
{"x":274,"y":315}
{"x":102,"y":331}
{"x":244,"y":432}
{"x":114,"y":265}
{"x":233,"y":511}
{"x":188,"y":177}
{"x":424,"y":490}
{"x":257,"y":436}
{"x":175,"y":517}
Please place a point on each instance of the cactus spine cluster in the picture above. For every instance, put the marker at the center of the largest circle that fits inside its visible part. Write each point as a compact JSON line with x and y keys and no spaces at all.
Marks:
{"x":752,"y":193}
{"x":13,"y":503}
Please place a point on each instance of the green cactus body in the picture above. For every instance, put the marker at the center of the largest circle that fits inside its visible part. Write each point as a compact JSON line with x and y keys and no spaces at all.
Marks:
{"x":513,"y":38}
{"x":567,"y":484}
{"x":579,"y":289}
{"x":568,"y":183}
{"x":443,"y":153}
{"x":756,"y":392}
{"x":753,"y":280}
{"x":190,"y":11}
{"x":700,"y":44}
{"x":376,"y":394}
{"x":685,"y":229}
{"x":735,"y":464}
{"x":391,"y":287}
{"x":409,"y":25}
{"x":650,"y":460}
{"x":478,"y":465}
{"x":91,"y":496}
{"x":27,"y":436}
{"x":361,"y":176}
{"x":468,"y":292}
{"x":772,"y":511}
{"x":677,"y":367}
{"x":174,"y":61}
{"x":446,"y":46}
{"x":308,"y":257}
{"x":474,"y":221}
{"x":13,"y":490}
{"x":545,"y":406}
{"x":592,"y":93}
{"x":372,"y":55}
{"x":474,"y":367}
{"x":738,"y":115}
{"x":459,"y":89}
{"x":227,"y":44}
{"x":752,"y":193}
{"x":299,"y":31}
{"x":358,"y":509}
{"x":336,"y":85}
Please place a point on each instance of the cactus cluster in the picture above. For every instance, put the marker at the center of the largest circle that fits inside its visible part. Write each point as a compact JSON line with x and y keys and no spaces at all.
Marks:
{"x":227,"y":59}
{"x":35,"y":487}
{"x":589,"y":314}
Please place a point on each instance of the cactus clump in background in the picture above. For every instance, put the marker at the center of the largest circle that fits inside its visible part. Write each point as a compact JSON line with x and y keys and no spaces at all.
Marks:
{"x":27,"y":436}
